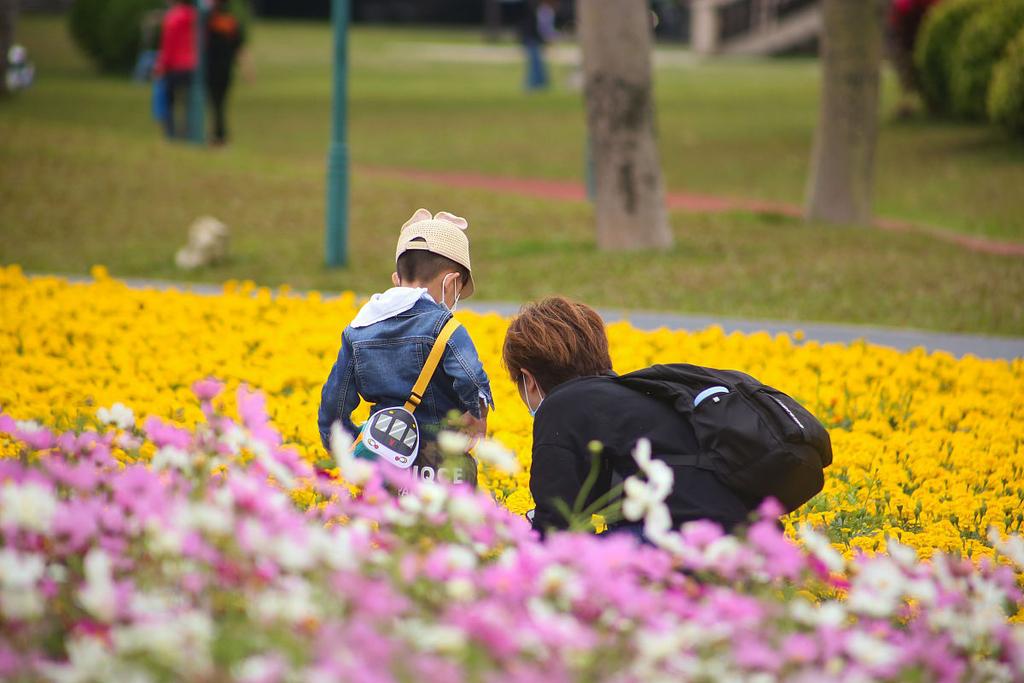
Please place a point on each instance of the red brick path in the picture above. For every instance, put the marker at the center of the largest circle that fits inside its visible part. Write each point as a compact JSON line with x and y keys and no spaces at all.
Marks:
{"x":695,"y":203}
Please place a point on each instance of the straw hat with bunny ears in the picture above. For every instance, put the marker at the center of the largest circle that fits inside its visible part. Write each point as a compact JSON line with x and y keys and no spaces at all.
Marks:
{"x":444,"y":234}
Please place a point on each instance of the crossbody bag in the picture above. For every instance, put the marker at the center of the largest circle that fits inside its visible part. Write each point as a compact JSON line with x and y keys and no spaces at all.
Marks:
{"x":393,"y":434}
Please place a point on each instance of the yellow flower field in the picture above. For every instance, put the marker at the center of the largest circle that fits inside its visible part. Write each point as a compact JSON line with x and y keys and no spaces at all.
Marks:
{"x":928,"y":448}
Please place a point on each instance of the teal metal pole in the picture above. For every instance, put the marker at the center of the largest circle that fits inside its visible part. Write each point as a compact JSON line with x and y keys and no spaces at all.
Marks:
{"x":197,"y":95}
{"x":336,"y":243}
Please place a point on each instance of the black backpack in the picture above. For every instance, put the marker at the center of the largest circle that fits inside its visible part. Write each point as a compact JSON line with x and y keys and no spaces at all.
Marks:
{"x":759,"y":441}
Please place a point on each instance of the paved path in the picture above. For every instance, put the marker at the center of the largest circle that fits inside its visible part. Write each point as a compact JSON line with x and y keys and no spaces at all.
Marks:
{"x":563,"y":53}
{"x":904,"y":339}
{"x":958,"y":344}
{"x":561,"y":190}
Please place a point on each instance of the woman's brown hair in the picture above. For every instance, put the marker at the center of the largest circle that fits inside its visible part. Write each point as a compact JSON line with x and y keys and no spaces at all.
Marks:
{"x":557,"y":340}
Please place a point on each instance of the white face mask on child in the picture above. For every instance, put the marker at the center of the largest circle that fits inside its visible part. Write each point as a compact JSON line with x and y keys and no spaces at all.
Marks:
{"x":444,"y":285}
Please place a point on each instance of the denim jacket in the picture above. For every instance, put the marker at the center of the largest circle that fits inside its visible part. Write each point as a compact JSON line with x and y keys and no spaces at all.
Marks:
{"x":382,"y":361}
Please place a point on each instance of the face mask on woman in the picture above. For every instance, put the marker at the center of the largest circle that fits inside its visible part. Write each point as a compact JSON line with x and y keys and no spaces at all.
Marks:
{"x":526,"y":395}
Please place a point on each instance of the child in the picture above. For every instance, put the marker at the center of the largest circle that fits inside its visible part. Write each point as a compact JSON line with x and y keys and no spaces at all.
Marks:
{"x":385,"y":346}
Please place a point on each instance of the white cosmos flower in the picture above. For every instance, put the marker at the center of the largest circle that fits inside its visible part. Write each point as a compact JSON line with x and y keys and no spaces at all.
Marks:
{"x":118,"y":415}
{"x":820,"y":547}
{"x":291,"y":555}
{"x":291,"y":602}
{"x":20,"y":570}
{"x":722,"y":548}
{"x":453,"y":443}
{"x":878,"y":588}
{"x":642,"y":453}
{"x":257,"y":669}
{"x":28,"y":505}
{"x":273,"y":466}
{"x":869,"y":650}
{"x":460,"y":558}
{"x":657,"y":522}
{"x":28,"y":425}
{"x":1012,"y":547}
{"x":170,"y":457}
{"x":430,"y":637}
{"x":560,"y":581}
{"x":89,"y":659}
{"x":493,"y":453}
{"x":432,"y":495}
{"x":638,"y":499}
{"x":353,"y":470}
{"x":465,"y":510}
{"x":440,"y":638}
{"x":829,"y":614}
{"x":460,"y":589}
{"x":660,"y":477}
{"x":903,"y":555}
{"x":645,"y":499}
{"x":180,"y":641}
{"x":19,"y":574}
{"x":206,"y":518}
{"x":21,"y":605}
{"x":333,"y":546}
{"x":97,"y":594}
{"x":234,"y":437}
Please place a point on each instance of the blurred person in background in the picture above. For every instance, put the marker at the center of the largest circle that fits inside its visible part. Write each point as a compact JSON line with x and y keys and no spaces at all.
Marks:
{"x":176,"y":63}
{"x":224,"y":39}
{"x":149,"y":44}
{"x":537,"y":29}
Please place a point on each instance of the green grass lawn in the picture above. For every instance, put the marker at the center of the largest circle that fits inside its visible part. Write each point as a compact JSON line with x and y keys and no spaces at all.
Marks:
{"x":85,"y":178}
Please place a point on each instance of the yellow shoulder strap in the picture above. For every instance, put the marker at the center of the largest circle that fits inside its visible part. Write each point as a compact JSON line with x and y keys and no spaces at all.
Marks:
{"x":431,"y":365}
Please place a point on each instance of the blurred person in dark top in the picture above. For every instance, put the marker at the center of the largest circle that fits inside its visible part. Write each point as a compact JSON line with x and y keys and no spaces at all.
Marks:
{"x":536,"y":29}
{"x":224,"y":39}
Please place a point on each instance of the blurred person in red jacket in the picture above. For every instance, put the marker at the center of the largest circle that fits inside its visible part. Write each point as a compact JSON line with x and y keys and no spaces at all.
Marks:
{"x":176,"y":62}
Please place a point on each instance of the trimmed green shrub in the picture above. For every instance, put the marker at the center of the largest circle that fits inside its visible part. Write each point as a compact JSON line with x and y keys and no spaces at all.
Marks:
{"x":84,"y":22}
{"x":934,"y":48}
{"x":109,"y":31}
{"x":1006,"y":92}
{"x":120,"y":33}
{"x":979,"y":48}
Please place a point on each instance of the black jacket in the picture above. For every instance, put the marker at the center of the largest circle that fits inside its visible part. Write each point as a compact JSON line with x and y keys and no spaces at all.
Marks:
{"x":599,"y":408}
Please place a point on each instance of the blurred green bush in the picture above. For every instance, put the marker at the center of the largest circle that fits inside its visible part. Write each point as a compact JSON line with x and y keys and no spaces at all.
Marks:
{"x":110,"y":31}
{"x":121,"y":33}
{"x":84,"y":21}
{"x":933,"y":52}
{"x":1006,"y":92}
{"x":980,"y":46}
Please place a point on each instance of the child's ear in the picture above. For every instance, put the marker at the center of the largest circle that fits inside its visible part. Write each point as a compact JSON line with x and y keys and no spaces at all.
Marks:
{"x":395,"y":280}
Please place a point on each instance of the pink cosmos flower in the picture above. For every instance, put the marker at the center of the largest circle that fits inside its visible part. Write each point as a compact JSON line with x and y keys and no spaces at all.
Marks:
{"x":163,"y":434}
{"x":752,"y":653}
{"x":207,"y":389}
{"x":781,"y":557}
{"x":78,"y":521}
{"x":799,"y":647}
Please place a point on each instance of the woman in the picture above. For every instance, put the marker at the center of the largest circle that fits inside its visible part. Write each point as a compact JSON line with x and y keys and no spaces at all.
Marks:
{"x":176,"y":62}
{"x":556,"y":351}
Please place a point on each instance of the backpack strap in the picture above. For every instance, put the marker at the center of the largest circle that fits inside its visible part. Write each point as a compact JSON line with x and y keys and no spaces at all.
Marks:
{"x":699,"y":460}
{"x":433,"y":360}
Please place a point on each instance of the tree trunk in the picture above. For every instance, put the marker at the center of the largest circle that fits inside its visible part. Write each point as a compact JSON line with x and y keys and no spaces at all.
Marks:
{"x":842,"y":165}
{"x":630,"y":195}
{"x":8,"y":13}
